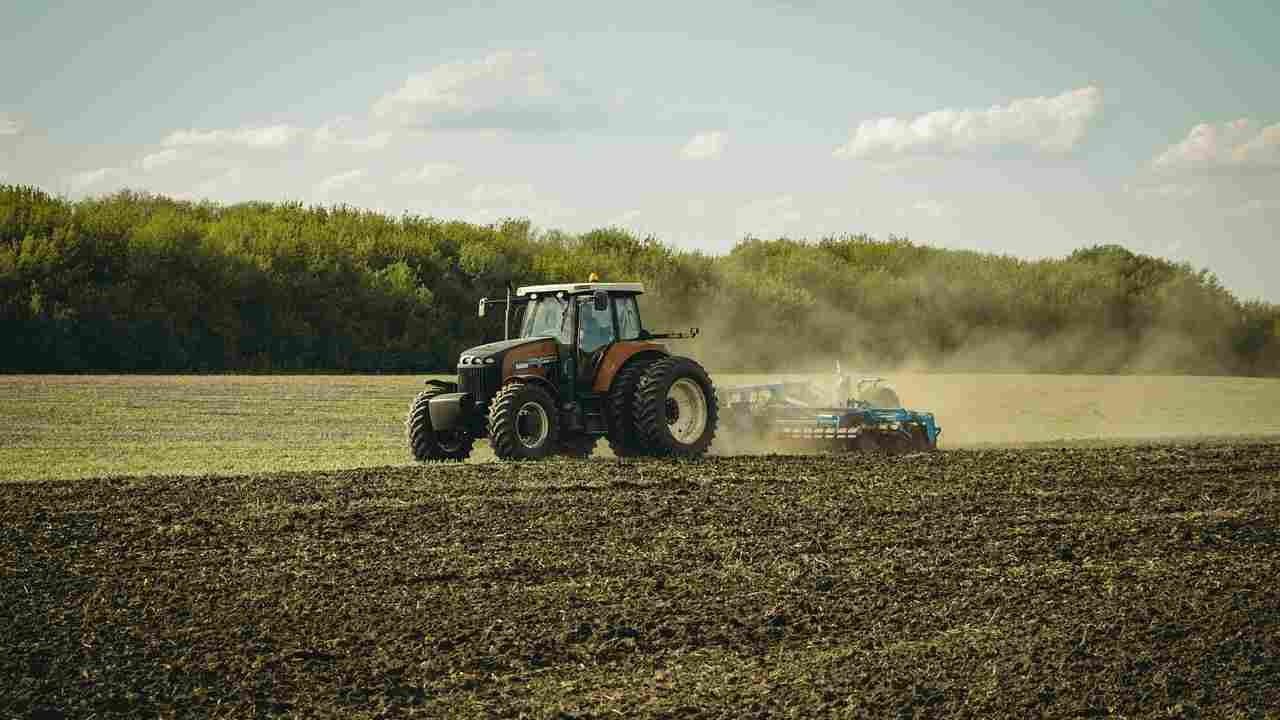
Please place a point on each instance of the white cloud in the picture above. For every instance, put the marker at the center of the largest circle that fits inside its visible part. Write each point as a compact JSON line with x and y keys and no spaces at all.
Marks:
{"x":771,"y":217}
{"x":337,"y":133}
{"x":1234,"y":144}
{"x":1048,"y":124}
{"x":626,"y":219}
{"x":496,"y":196}
{"x":3,"y":176}
{"x":10,"y":125}
{"x":506,"y":90}
{"x":1254,"y":207}
{"x":339,"y":181}
{"x":705,"y":145}
{"x":1165,"y":191}
{"x":159,"y":159}
{"x":218,"y":185}
{"x":429,"y":174}
{"x":90,"y":179}
{"x":932,"y":208}
{"x":255,"y":138}
{"x":376,"y":141}
{"x":491,"y":202}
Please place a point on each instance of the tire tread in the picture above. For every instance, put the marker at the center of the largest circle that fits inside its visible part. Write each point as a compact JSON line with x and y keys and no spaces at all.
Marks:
{"x":624,"y":438}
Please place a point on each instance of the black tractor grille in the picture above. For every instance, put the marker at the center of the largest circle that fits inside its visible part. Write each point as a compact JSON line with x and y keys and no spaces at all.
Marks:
{"x":481,"y":382}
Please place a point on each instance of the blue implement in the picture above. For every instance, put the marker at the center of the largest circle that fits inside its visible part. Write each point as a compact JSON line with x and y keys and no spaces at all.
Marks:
{"x":793,"y":411}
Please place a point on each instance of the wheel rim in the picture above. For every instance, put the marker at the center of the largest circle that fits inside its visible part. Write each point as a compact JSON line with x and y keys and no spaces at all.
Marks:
{"x":690,"y":417}
{"x":532,"y":424}
{"x":672,"y":411}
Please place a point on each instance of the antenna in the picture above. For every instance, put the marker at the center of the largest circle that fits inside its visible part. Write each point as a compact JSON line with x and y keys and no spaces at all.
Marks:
{"x":506,"y":316}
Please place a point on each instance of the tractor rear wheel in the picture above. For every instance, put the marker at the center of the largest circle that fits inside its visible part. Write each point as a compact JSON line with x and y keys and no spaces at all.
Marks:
{"x":523,"y":424}
{"x":675,"y":408}
{"x":427,"y":444}
{"x":624,"y":439}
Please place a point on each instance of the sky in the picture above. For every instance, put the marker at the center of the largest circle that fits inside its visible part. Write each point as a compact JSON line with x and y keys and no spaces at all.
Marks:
{"x":1009,"y":128}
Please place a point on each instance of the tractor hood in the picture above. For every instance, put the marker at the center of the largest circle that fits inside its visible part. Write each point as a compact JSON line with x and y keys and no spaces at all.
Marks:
{"x":477,"y":355}
{"x":512,"y":356}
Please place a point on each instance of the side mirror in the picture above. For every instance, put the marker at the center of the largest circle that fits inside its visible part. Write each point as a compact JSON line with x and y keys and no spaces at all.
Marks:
{"x":600,"y":300}
{"x":481,"y":313}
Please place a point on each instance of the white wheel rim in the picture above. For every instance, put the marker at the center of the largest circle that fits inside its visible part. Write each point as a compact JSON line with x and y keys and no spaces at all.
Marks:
{"x":691,"y":407}
{"x":532,"y":425}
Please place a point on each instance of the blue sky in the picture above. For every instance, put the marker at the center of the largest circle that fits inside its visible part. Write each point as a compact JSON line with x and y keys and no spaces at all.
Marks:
{"x":1006,"y":128}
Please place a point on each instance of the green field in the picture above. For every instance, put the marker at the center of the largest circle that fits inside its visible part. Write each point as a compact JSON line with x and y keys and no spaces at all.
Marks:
{"x":64,"y":427}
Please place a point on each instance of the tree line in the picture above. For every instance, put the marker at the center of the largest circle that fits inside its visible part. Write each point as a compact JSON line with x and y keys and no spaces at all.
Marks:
{"x":137,"y":282}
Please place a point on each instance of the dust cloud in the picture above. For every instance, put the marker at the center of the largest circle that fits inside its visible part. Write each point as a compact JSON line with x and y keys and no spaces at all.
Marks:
{"x":986,"y":385}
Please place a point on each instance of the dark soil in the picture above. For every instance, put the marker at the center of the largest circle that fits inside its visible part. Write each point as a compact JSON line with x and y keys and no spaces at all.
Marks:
{"x":1139,"y":582}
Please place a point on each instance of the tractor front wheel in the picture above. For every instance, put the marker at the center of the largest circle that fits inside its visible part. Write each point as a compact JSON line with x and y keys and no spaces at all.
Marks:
{"x":427,"y":444}
{"x":523,"y":424}
{"x":675,"y":408}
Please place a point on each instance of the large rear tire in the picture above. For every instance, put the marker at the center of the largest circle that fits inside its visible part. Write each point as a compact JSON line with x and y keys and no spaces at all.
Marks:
{"x":425,"y":443}
{"x":676,"y":409}
{"x":523,"y":423}
{"x":624,"y":439}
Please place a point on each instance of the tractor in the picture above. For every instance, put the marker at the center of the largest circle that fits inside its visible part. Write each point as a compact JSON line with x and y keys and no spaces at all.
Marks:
{"x":580,"y":366}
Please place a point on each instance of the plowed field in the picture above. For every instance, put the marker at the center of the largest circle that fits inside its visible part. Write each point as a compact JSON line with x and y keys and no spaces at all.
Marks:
{"x":1137,"y":581}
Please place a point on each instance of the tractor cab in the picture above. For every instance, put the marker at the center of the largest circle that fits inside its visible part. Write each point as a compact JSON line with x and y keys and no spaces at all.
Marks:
{"x":584,"y":320}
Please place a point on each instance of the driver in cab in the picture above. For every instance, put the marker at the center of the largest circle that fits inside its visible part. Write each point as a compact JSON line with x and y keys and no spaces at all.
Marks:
{"x":596,"y":330}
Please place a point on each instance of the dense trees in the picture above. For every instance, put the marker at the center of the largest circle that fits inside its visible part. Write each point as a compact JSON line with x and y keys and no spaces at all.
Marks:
{"x":135,"y":282}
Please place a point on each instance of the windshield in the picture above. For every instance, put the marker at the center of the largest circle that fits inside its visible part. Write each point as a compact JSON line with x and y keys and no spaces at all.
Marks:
{"x":547,"y":316}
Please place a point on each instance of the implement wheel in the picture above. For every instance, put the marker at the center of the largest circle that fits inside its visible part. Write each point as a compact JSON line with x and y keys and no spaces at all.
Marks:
{"x":920,"y":440}
{"x":523,"y":424}
{"x":675,"y":408}
{"x":427,"y":444}
{"x":866,"y":442}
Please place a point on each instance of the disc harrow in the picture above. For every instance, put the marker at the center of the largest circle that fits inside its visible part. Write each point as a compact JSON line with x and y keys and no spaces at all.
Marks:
{"x":806,"y":416}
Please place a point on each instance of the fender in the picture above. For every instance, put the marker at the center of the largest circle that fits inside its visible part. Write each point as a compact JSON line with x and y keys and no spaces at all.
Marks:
{"x":529,"y":377}
{"x":618,"y":355}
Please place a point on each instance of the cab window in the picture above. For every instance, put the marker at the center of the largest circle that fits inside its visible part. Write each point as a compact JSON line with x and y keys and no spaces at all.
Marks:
{"x":595,"y":327}
{"x":548,"y":315}
{"x":628,"y":317}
